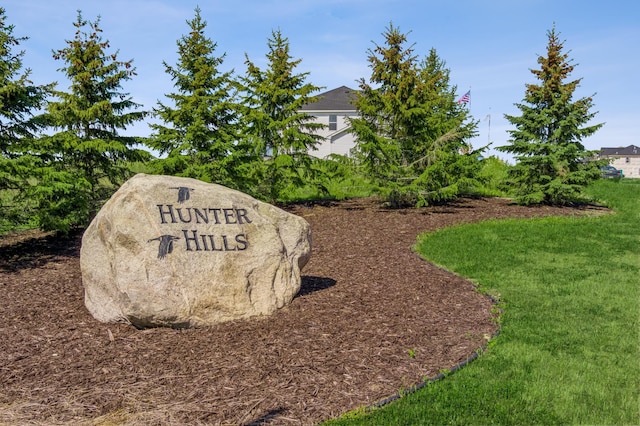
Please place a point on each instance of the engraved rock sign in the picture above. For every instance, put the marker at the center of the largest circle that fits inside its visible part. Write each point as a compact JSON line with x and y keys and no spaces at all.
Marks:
{"x":177,"y":252}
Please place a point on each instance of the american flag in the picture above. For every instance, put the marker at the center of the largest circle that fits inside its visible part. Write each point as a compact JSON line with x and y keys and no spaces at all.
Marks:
{"x":465,"y":98}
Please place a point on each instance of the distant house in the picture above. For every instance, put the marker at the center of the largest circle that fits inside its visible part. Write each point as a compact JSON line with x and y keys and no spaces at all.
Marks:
{"x":625,"y":159}
{"x":333,"y":108}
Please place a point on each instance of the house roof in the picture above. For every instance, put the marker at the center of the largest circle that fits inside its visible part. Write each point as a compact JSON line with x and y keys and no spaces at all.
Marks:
{"x":340,"y":99}
{"x":630,"y":150}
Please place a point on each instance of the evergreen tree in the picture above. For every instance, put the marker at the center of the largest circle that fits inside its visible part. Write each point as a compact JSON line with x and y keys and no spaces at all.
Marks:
{"x":552,"y":164}
{"x":410,"y":133}
{"x":443,"y":160}
{"x":379,"y":129}
{"x":200,"y":136}
{"x":280,"y":133}
{"x":20,"y":99}
{"x":87,"y":158}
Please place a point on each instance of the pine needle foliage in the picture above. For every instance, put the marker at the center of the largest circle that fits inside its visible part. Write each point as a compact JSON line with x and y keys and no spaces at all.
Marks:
{"x":411,"y":134}
{"x":199,"y":133}
{"x":82,"y":163}
{"x":280,"y":133}
{"x":552,"y":164}
{"x":20,"y":101}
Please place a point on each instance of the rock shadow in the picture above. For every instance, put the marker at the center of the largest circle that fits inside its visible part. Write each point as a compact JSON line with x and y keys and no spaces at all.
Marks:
{"x":312,"y":284}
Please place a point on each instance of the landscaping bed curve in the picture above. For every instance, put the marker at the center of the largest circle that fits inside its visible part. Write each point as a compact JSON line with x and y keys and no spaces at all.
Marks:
{"x":371,"y":318}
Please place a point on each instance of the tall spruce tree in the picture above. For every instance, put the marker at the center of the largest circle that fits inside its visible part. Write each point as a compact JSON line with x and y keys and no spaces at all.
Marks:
{"x":281,"y":134}
{"x":552,"y":164}
{"x":20,"y":101}
{"x":380,"y":105}
{"x":410,"y":133}
{"x":200,"y":132}
{"x":443,"y":159}
{"x":87,"y":158}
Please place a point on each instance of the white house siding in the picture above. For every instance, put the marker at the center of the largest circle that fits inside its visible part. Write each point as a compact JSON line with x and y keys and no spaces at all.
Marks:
{"x":337,"y":141}
{"x":626,"y":159}
{"x":630,"y":165}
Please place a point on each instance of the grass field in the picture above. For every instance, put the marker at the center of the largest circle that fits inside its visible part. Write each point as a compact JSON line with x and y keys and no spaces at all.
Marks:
{"x":568,"y":350}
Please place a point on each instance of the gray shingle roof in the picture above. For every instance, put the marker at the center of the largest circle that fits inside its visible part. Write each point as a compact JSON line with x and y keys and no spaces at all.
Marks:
{"x":630,"y":150}
{"x":340,"y":99}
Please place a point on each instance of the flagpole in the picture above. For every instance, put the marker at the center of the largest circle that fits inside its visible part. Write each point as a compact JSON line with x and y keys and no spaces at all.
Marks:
{"x":489,"y":133}
{"x":488,"y":118}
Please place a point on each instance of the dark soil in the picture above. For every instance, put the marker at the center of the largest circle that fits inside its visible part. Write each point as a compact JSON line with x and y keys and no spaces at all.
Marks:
{"x":371,"y":318}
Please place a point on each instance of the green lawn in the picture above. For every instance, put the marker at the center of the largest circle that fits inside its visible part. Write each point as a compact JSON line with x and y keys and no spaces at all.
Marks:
{"x":568,"y":350}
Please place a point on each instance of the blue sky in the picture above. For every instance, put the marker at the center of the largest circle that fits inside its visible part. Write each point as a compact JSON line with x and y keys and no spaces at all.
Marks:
{"x":489,"y":46}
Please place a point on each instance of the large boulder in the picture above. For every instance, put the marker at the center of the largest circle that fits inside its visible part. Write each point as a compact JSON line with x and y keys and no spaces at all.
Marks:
{"x":178,"y":252}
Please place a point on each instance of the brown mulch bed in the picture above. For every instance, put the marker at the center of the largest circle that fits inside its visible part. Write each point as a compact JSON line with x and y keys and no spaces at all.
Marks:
{"x":367,"y":301}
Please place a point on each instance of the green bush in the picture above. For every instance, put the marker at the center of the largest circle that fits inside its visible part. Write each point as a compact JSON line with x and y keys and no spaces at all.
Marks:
{"x":494,"y":176}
